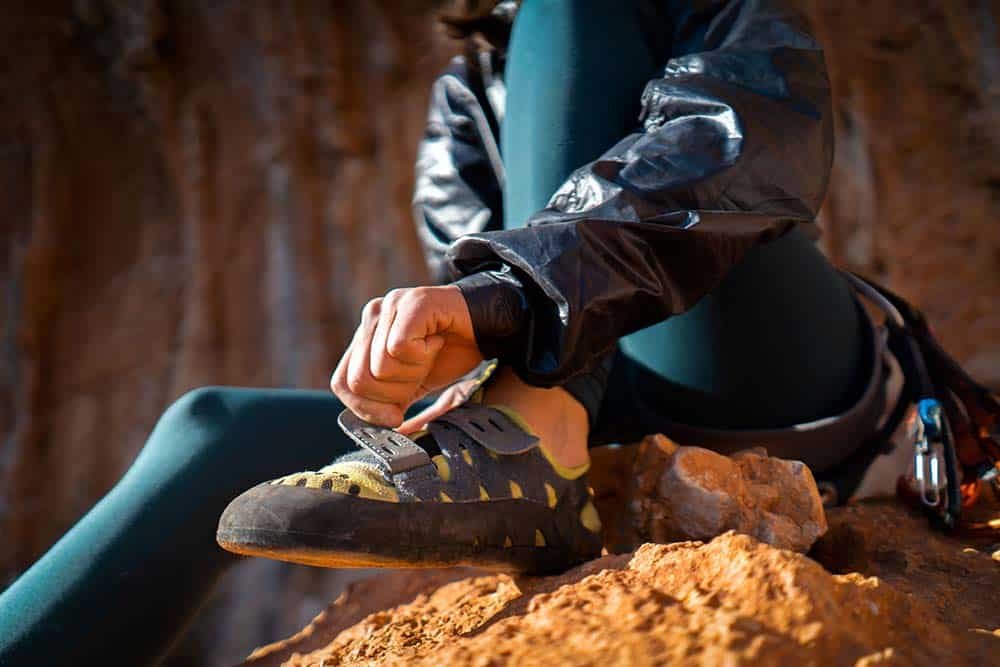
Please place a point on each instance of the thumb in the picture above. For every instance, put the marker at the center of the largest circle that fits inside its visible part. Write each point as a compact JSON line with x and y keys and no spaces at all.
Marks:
{"x":450,"y":398}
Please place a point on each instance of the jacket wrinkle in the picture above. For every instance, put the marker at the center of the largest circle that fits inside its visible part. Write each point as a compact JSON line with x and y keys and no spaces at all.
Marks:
{"x":733,"y":149}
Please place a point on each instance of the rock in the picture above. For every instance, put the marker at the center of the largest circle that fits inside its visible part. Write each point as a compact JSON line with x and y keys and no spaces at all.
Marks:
{"x":382,"y":591}
{"x":958,"y":580}
{"x":733,"y":600}
{"x":611,"y":480}
{"x":691,"y":493}
{"x":913,"y":191}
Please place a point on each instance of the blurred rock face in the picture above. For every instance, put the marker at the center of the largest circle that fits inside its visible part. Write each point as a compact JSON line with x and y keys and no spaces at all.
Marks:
{"x":192,"y":193}
{"x":208,"y":192}
{"x":915,"y":191}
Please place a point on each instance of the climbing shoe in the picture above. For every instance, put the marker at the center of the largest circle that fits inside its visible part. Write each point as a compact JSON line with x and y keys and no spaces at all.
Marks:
{"x":476,"y":488}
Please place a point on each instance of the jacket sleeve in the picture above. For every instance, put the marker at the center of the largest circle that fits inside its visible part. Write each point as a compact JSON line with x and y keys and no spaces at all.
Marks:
{"x":458,"y":170}
{"x":735,"y":150}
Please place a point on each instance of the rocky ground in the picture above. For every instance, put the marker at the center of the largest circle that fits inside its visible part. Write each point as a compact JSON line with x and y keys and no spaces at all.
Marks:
{"x":880,"y":587}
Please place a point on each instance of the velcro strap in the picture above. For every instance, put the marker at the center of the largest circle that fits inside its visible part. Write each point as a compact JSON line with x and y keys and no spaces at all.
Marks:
{"x":397,"y":452}
{"x":491,"y":428}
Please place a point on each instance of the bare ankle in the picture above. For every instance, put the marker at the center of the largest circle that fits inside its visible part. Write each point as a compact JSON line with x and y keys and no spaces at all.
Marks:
{"x":553,"y":415}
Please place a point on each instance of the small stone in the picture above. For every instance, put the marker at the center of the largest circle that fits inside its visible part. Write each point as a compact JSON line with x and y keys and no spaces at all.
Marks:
{"x":692,"y":493}
{"x":664,"y":444}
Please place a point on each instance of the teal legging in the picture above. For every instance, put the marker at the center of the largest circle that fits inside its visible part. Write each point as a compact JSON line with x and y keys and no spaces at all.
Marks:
{"x":119,"y":587}
{"x":779,"y":342}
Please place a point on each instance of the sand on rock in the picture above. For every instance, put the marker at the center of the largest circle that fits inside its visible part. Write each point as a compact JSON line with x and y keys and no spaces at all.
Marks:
{"x":892,"y":592}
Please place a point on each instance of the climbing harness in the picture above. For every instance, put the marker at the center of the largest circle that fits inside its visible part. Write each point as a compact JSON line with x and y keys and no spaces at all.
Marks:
{"x":951,"y":421}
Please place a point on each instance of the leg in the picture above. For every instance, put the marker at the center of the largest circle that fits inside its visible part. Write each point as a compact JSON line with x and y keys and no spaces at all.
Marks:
{"x":491,"y":496}
{"x":568,"y":100}
{"x":554,"y":414}
{"x":560,"y":116}
{"x":781,"y":341}
{"x":121,"y":584}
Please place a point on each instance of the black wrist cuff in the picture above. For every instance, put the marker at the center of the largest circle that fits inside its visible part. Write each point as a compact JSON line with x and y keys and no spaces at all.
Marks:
{"x":498,"y":308}
{"x":589,"y":388}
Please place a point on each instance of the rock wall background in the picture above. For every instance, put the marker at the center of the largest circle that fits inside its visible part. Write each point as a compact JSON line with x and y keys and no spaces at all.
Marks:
{"x":916,"y":184}
{"x":198,"y":192}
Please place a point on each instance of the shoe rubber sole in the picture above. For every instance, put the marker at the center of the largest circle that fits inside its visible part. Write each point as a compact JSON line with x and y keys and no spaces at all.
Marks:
{"x":324,"y":529}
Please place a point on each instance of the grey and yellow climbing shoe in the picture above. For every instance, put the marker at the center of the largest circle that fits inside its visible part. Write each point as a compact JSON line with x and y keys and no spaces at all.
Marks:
{"x":475,"y":489}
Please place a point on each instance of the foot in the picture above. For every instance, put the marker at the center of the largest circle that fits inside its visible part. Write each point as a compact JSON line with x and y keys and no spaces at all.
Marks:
{"x":559,"y":421}
{"x":478,"y":488}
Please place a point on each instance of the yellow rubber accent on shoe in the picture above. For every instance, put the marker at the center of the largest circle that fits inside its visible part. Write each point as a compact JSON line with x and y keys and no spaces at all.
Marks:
{"x":590,"y":519}
{"x":539,"y":538}
{"x":480,"y":392}
{"x":365,"y":480}
{"x":316,"y":481}
{"x":467,"y":456}
{"x":507,"y":544}
{"x":482,"y":493}
{"x":445,"y":498}
{"x":550,"y":493}
{"x":477,"y":396}
{"x":563,"y":471}
{"x":444,"y":470}
{"x":515,"y":489}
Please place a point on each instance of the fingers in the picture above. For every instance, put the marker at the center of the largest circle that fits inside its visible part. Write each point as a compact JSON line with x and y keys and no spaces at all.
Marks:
{"x":392,"y":355}
{"x":377,"y":412}
{"x":450,"y":398}
{"x":359,"y":377}
{"x":422,"y":418}
{"x":410,"y":340}
{"x":353,"y":385}
{"x":382,"y":364}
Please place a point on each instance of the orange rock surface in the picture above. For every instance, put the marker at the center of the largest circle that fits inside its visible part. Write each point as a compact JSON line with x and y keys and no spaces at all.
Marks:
{"x":898,"y":594}
{"x":681,"y":493}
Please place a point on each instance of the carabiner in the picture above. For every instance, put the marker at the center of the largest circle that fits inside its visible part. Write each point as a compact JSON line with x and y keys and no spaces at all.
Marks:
{"x":925,"y":429}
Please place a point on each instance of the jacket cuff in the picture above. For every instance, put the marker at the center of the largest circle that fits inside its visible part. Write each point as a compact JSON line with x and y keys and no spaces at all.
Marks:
{"x":498,"y":308}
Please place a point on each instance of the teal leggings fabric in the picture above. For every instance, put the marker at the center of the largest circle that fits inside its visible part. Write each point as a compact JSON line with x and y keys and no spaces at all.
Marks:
{"x":121,"y":585}
{"x":777,"y":342}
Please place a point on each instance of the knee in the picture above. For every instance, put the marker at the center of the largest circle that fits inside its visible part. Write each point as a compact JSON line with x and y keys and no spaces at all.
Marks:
{"x":199,"y":418}
{"x":204,"y":405}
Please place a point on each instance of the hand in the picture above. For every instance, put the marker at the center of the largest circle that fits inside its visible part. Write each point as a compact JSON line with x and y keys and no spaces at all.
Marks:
{"x":409,"y":343}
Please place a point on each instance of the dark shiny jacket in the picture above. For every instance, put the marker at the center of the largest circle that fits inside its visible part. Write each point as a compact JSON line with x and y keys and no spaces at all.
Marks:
{"x":734,"y":150}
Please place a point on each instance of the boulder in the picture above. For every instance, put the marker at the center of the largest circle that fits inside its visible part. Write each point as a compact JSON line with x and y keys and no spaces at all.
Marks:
{"x":691,"y":493}
{"x":659,"y":491}
{"x":733,"y":600}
